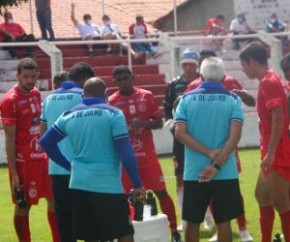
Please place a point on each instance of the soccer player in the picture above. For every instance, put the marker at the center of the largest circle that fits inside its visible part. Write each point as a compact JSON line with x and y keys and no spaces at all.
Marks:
{"x":213,"y":176}
{"x":189,"y":64}
{"x":27,"y":162}
{"x":142,"y":115}
{"x":99,"y":137}
{"x":273,"y":183}
{"x":64,"y":98}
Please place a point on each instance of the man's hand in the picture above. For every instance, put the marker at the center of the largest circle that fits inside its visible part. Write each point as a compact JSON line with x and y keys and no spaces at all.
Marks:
{"x":15,"y":182}
{"x":137,"y":125}
{"x":213,"y":154}
{"x":73,"y":5}
{"x":139,"y":194}
{"x":267,"y":161}
{"x":207,"y":173}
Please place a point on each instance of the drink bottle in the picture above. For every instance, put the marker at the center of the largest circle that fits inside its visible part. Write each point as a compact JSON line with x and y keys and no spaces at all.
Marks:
{"x":20,"y":198}
{"x":150,"y":200}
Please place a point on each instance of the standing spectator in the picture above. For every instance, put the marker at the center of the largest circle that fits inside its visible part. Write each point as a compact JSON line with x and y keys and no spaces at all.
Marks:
{"x":100,"y":205}
{"x":272,"y":188}
{"x":87,"y":29}
{"x":138,"y":30}
{"x":213,"y":176}
{"x":27,"y":162}
{"x":43,"y":14}
{"x":13,"y":32}
{"x":240,"y":26}
{"x":67,"y":96}
{"x":275,"y":25}
{"x":215,"y":27}
{"x":189,"y":64}
{"x":110,"y":31}
{"x":142,"y":115}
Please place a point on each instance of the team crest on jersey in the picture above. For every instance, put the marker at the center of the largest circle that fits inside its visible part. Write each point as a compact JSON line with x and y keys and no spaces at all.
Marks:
{"x":142,"y":107}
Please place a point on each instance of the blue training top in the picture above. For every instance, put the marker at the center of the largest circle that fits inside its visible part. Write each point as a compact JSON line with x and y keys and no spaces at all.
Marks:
{"x":94,"y":129}
{"x":62,"y":99}
{"x":208,"y":112}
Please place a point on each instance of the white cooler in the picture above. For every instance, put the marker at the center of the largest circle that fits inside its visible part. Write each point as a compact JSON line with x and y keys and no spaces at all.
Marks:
{"x":152,"y":229}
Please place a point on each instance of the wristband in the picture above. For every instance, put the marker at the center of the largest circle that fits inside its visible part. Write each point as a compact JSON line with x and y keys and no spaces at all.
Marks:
{"x":216,"y":166}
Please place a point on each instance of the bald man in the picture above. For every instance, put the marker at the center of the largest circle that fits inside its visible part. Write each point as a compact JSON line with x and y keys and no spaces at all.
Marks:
{"x":100,"y":206}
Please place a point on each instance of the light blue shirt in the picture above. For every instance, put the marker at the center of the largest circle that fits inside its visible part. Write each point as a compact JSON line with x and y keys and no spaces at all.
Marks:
{"x":62,"y":99}
{"x":92,"y":128}
{"x":208,"y":112}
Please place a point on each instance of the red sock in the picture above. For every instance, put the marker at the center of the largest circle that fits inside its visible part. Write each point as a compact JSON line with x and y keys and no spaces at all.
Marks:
{"x":53,"y":226}
{"x":267,"y":216}
{"x":285,"y":222}
{"x":21,"y":224}
{"x":167,"y":207}
{"x":241,"y":219}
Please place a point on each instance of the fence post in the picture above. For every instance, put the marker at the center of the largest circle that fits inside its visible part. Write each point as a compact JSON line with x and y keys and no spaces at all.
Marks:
{"x":56,"y":60}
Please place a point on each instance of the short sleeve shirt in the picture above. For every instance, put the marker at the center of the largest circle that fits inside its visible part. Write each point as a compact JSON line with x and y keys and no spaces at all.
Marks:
{"x":88,"y":30}
{"x":207,"y":112}
{"x":140,"y":104}
{"x":54,"y":105}
{"x":23,"y":110}
{"x":271,"y":94}
{"x":91,"y":129}
{"x":15,"y":29}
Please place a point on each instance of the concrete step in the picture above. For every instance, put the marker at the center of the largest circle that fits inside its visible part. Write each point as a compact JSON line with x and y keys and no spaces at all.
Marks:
{"x":4,"y":55}
{"x":10,"y":65}
{"x":7,"y":75}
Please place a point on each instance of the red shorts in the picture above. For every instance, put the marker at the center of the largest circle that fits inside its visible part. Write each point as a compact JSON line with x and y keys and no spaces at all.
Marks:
{"x":35,"y":180}
{"x":282,"y":170}
{"x":151,"y":176}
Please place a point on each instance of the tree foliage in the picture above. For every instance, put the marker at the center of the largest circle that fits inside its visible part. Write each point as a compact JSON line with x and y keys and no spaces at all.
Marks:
{"x":9,"y":3}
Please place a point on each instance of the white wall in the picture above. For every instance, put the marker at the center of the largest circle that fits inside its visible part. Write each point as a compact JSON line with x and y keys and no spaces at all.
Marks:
{"x":259,"y":10}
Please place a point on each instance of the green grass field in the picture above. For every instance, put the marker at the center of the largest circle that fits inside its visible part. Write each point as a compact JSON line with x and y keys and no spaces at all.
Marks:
{"x":39,"y":227}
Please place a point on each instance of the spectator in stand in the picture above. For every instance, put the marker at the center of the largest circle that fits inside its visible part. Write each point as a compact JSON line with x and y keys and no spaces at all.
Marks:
{"x":138,"y":30}
{"x":214,"y":28}
{"x":13,"y":32}
{"x":189,"y":64}
{"x":213,"y":175}
{"x":43,"y":14}
{"x":27,"y":162}
{"x":275,"y":25}
{"x":87,"y":29}
{"x":110,"y":31}
{"x":100,"y":206}
{"x":240,"y":26}
{"x":272,"y":188}
{"x":142,"y":114}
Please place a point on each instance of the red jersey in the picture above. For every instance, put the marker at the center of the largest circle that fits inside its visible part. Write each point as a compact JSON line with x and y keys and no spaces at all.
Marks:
{"x":271,"y":94}
{"x":15,"y":29}
{"x":229,"y":83}
{"x":210,"y":28}
{"x":138,"y":31}
{"x":140,"y":104}
{"x":23,"y":110}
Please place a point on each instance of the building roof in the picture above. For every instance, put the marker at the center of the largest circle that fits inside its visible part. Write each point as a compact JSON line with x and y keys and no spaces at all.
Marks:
{"x":121,"y":12}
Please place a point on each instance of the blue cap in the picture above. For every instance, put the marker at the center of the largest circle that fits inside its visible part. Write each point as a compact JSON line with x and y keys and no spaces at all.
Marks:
{"x":189,"y":56}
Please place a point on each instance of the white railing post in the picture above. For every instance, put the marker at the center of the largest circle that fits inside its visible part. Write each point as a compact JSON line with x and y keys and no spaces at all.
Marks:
{"x":276,"y":50}
{"x":56,"y":60}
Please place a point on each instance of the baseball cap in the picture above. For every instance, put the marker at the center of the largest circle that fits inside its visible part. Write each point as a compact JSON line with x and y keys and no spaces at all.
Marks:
{"x":189,"y":56}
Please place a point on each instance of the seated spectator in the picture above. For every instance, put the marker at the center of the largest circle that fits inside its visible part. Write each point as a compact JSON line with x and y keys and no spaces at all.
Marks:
{"x":87,"y":29}
{"x":13,"y":32}
{"x":239,"y":26}
{"x":275,"y":25}
{"x":110,"y":31}
{"x":213,"y":28}
{"x":138,"y":30}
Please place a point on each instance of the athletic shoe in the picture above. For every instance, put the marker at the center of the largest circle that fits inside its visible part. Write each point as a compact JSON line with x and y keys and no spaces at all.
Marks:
{"x":245,"y":236}
{"x":214,"y":238}
{"x":176,"y":237}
